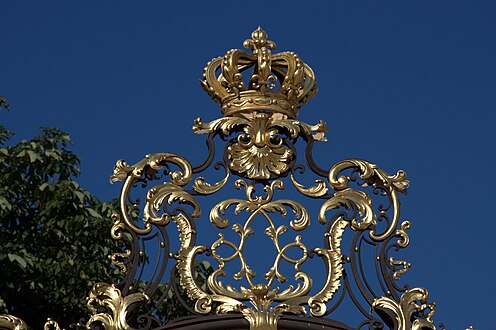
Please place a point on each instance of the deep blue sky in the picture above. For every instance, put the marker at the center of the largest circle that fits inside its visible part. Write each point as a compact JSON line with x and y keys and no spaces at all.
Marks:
{"x":407,"y":84}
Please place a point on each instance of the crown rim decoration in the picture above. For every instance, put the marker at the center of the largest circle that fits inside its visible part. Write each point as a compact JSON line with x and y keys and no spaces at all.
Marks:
{"x":296,"y":79}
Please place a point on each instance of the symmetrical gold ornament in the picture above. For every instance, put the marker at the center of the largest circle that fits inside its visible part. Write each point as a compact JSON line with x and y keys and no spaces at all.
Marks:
{"x":260,"y":152}
{"x":261,"y":128}
{"x":260,"y":95}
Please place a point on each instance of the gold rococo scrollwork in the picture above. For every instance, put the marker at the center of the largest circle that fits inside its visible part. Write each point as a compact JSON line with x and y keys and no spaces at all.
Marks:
{"x":109,"y":297}
{"x":412,"y":306}
{"x":375,"y":177}
{"x":261,"y":130}
{"x":364,"y":217}
{"x":261,"y":295}
{"x":269,"y":302}
{"x":318,"y":190}
{"x":11,"y":322}
{"x":147,"y":169}
{"x":259,"y":152}
{"x":53,"y":325}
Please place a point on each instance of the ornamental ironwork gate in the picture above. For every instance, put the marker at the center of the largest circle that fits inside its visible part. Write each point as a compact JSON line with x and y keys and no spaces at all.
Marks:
{"x":223,"y":283}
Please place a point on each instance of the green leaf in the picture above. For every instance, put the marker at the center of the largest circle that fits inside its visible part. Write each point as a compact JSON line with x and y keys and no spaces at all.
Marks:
{"x":20,"y":260}
{"x":93,"y":213}
{"x":80,"y":195}
{"x":83,"y":275}
{"x":33,"y":156}
{"x":4,"y":204}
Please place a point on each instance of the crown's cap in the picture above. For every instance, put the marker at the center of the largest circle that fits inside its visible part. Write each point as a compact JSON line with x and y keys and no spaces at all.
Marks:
{"x":278,"y":82}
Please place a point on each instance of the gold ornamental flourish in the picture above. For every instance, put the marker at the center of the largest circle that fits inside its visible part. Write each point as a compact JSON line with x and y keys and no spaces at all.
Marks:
{"x":377,"y":177}
{"x":109,"y":297}
{"x":259,"y":152}
{"x":411,"y":306}
{"x":12,"y":323}
{"x":147,"y":169}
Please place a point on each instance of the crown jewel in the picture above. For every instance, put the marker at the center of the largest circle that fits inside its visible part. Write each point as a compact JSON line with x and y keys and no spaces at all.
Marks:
{"x":278,"y":82}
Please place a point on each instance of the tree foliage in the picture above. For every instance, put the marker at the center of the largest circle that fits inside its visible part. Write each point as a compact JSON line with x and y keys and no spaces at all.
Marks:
{"x":54,"y":235}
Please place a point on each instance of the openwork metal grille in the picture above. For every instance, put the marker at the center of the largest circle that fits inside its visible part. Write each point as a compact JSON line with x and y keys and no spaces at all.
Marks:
{"x":346,"y":223}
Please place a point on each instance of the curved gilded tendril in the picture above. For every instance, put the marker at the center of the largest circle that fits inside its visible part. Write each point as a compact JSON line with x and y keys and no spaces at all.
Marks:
{"x":258,"y":203}
{"x":377,"y":178}
{"x":318,"y":190}
{"x":118,"y":259}
{"x":355,"y":200}
{"x":205,"y":188}
{"x":403,"y":240}
{"x":333,"y":260}
{"x":399,"y":271}
{"x":281,"y":254}
{"x":166,"y":193}
{"x":145,"y":170}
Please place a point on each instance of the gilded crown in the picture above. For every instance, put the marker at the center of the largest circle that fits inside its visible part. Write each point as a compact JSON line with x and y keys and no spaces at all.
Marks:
{"x":242,"y":83}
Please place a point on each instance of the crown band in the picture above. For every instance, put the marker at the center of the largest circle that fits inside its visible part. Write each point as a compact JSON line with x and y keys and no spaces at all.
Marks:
{"x":249,"y":101}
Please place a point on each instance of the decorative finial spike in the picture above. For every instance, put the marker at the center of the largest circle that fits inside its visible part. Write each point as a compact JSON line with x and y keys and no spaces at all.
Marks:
{"x":259,"y":40}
